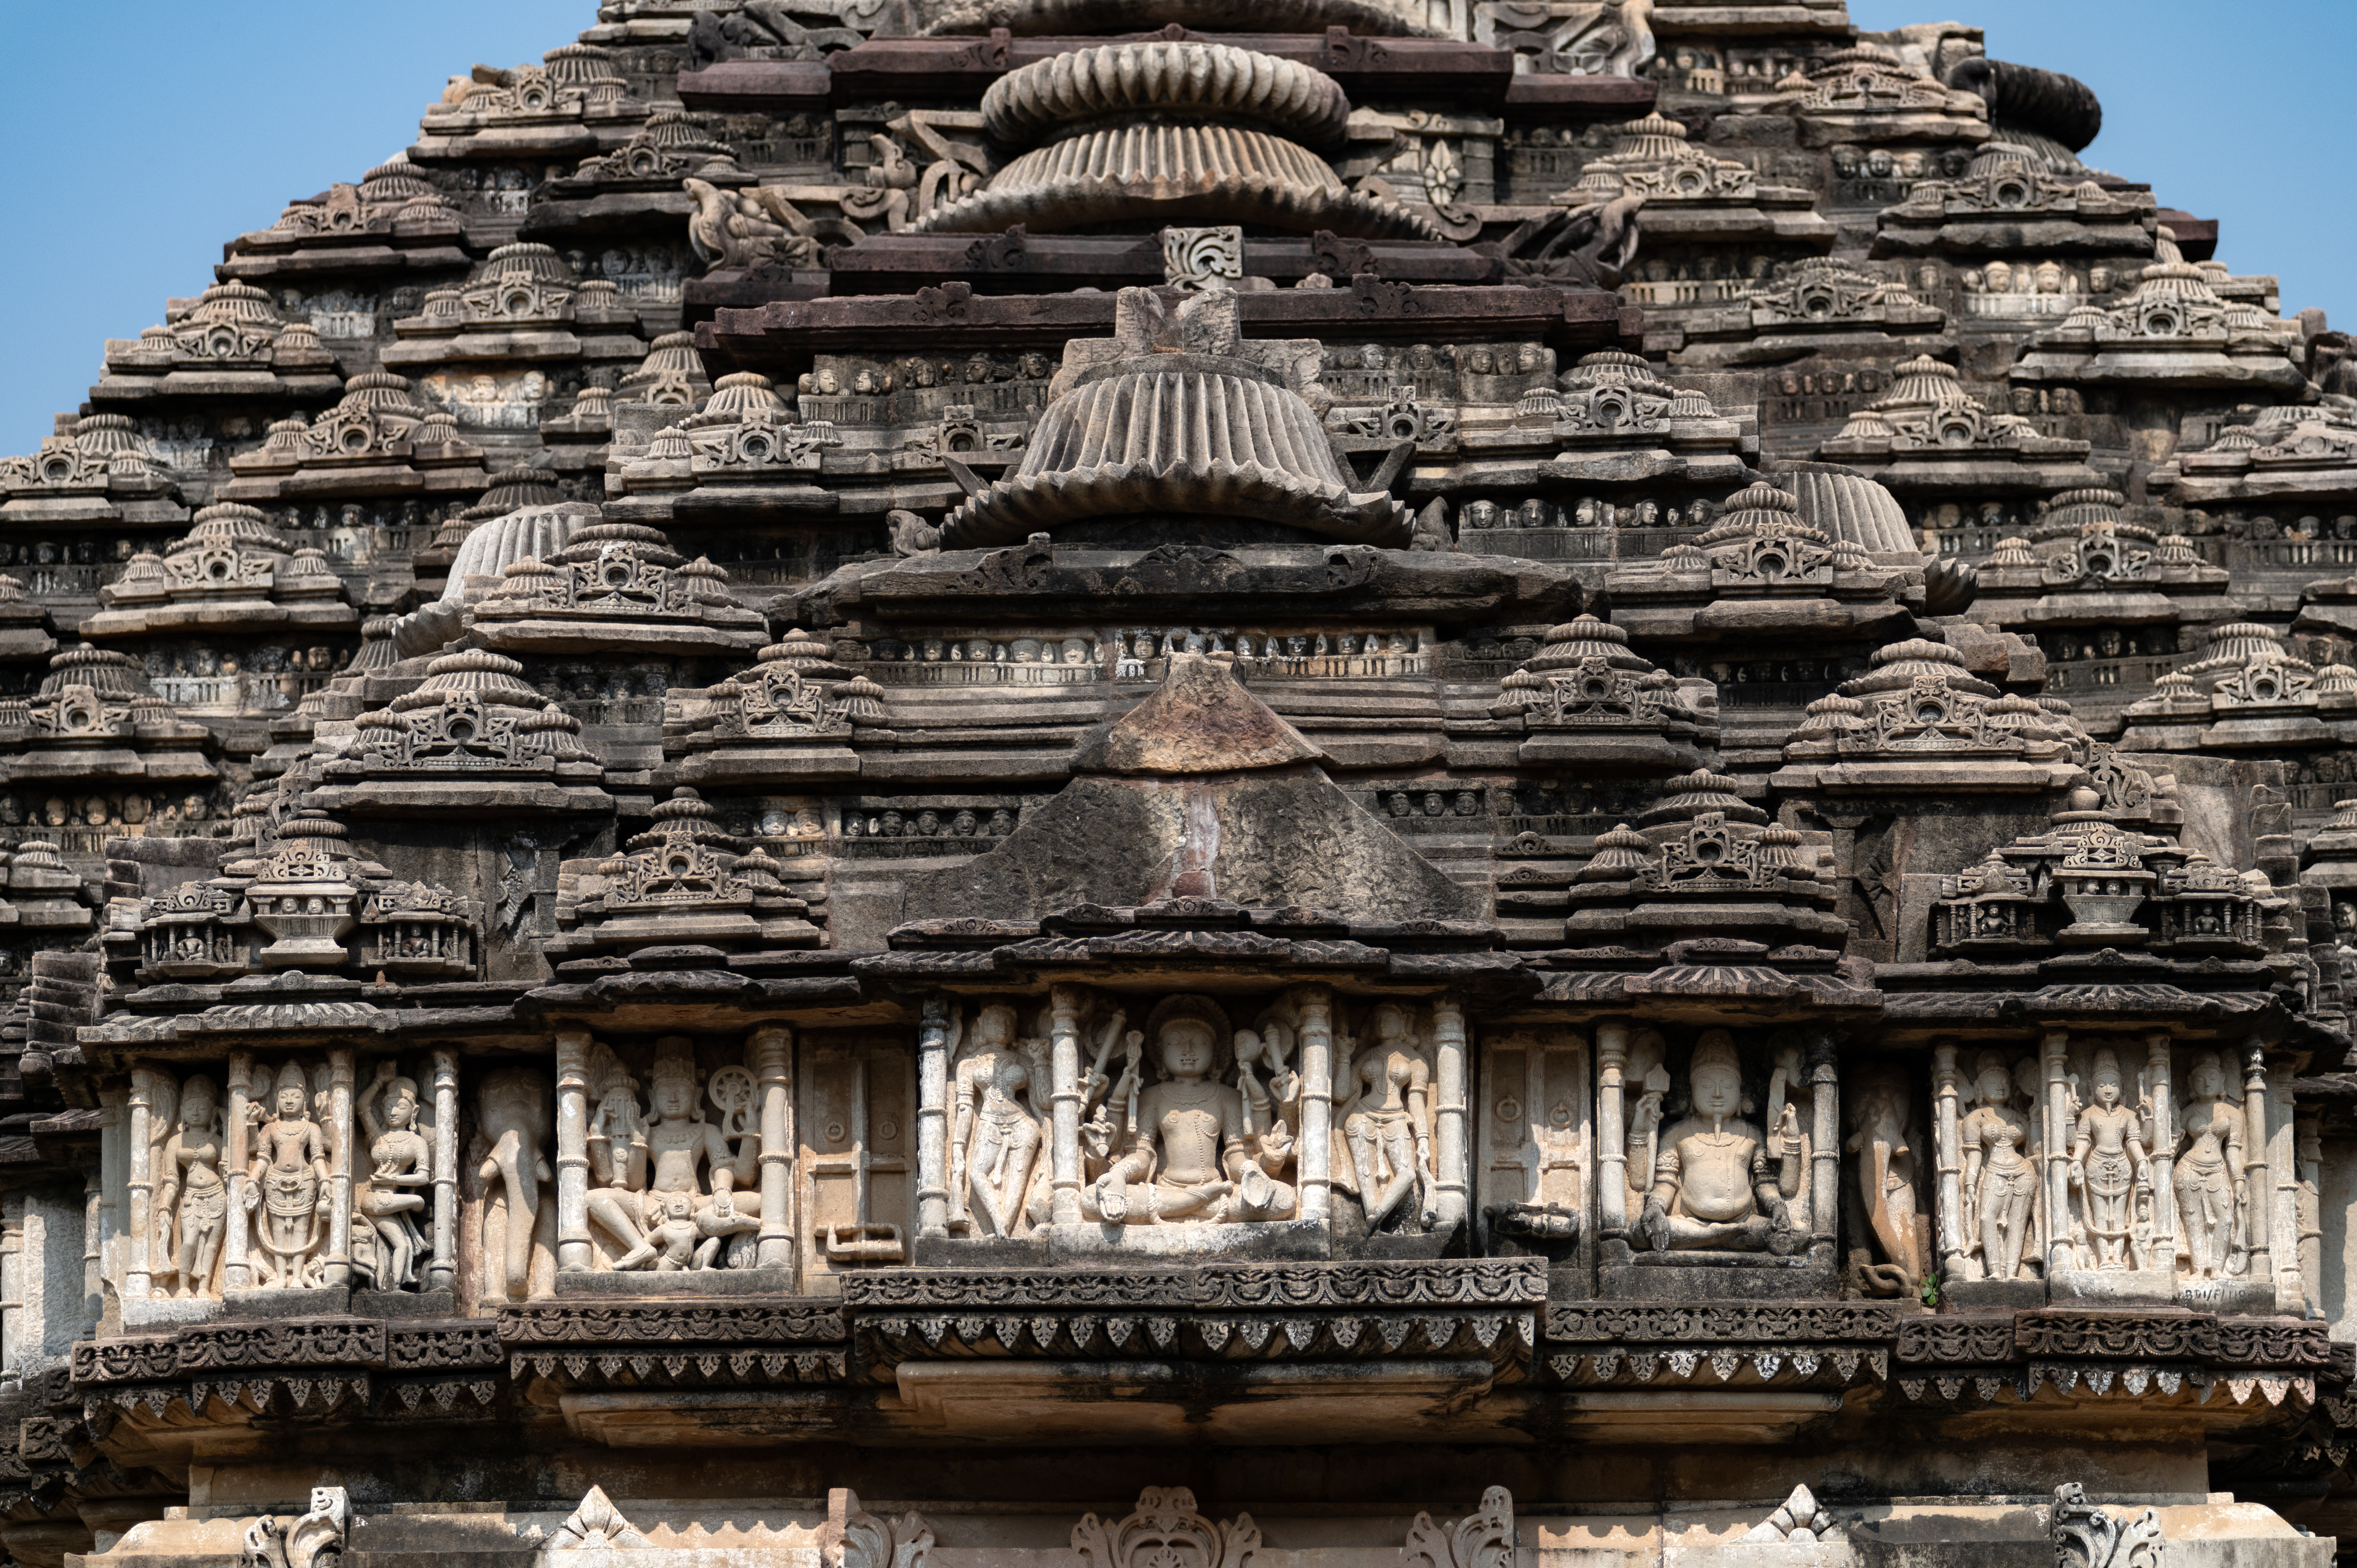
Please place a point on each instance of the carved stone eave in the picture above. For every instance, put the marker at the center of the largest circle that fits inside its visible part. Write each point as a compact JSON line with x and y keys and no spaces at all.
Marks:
{"x":1710,"y":983}
{"x":2229,"y":1001}
{"x":1196,"y":944}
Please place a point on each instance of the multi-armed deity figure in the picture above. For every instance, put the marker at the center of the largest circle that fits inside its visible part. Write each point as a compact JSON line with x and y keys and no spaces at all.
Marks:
{"x":2110,"y":1170}
{"x":289,"y":1183}
{"x":642,"y":1166}
{"x":2000,"y":1188}
{"x":190,"y":1176}
{"x":2213,"y":1192}
{"x":1718,"y":1183}
{"x":1203,"y":1151}
{"x":1388,"y":1127}
{"x":400,"y":1158}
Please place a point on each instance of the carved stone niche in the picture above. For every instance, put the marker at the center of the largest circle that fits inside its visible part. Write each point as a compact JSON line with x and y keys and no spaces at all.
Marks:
{"x":1719,"y":1162}
{"x":1534,"y":1147}
{"x":1181,"y":1124}
{"x":759,"y":1164}
{"x":2152,"y":1161}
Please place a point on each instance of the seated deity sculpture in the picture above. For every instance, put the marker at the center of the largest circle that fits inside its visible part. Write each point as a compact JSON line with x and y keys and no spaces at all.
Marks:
{"x":644,"y":1167}
{"x":1719,"y":1184}
{"x":1192,"y":1149}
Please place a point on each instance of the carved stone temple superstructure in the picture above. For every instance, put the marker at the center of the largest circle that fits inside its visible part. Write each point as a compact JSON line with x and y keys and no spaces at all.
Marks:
{"x":1169,"y":783}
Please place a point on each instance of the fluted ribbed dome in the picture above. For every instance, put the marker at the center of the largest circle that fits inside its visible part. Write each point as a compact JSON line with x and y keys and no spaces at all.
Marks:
{"x":103,"y":670}
{"x":527,"y":258}
{"x":1210,"y":431}
{"x":477,"y":673}
{"x":226,"y":521}
{"x":240,"y":303}
{"x":1166,"y":131}
{"x":1038,"y":18}
{"x":1211,"y":81}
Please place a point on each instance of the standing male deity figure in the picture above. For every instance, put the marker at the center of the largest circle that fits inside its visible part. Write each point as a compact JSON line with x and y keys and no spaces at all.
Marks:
{"x":289,"y":1183}
{"x":2109,"y":1168}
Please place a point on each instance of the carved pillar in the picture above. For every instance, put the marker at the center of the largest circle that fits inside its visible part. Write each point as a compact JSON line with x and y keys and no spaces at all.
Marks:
{"x":12,"y":1285}
{"x":2309,"y":1214}
{"x":1611,"y":1128}
{"x":2161,"y":1147}
{"x":932,"y":1118}
{"x":338,"y":1250}
{"x":772,"y":1053}
{"x":138,"y":1265}
{"x":442,"y":1268}
{"x":1949,"y":1158}
{"x":2283,"y":1223}
{"x":1825,"y":1141}
{"x":1064,"y":1036}
{"x":572,"y":1152}
{"x":93,"y":1271}
{"x":2057,"y":1058}
{"x":113,"y":1180}
{"x":1316,"y":1069}
{"x":2256,"y":1155}
{"x":1448,"y":1151}
{"x":237,"y":1271}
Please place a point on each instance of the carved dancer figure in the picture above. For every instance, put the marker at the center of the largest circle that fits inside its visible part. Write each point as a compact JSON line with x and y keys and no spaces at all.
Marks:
{"x":1201,"y":1155}
{"x":399,"y":1156}
{"x":289,"y":1181}
{"x":191,"y":1175}
{"x":998,"y":1098}
{"x":2109,"y":1167}
{"x":1715,"y":1185}
{"x":2214,"y":1193}
{"x":1389,"y":1127}
{"x":670,"y":1152}
{"x":2000,"y":1177}
{"x":1886,"y":1177}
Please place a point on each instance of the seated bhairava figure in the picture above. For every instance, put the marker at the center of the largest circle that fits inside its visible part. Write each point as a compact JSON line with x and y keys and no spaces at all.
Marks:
{"x":1193,"y":1149}
{"x":1718,"y":1183}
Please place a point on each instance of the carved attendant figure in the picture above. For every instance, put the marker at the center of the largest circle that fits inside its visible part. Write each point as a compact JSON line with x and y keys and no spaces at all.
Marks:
{"x":1389,"y":1129}
{"x":1200,"y":1156}
{"x":2212,"y":1192}
{"x":2108,"y":1167}
{"x":191,"y":1175}
{"x":1713,"y":1185}
{"x":512,"y":1122}
{"x":2000,"y":1178}
{"x":399,"y":1157}
{"x":998,"y":1133}
{"x":1885,"y":1179}
{"x":289,"y":1181}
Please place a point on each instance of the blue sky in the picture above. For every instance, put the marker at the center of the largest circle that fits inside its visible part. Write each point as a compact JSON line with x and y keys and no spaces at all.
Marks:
{"x":140,"y":134}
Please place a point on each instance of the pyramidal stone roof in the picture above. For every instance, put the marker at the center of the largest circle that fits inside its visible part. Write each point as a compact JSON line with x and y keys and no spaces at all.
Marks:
{"x":1191,"y":784}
